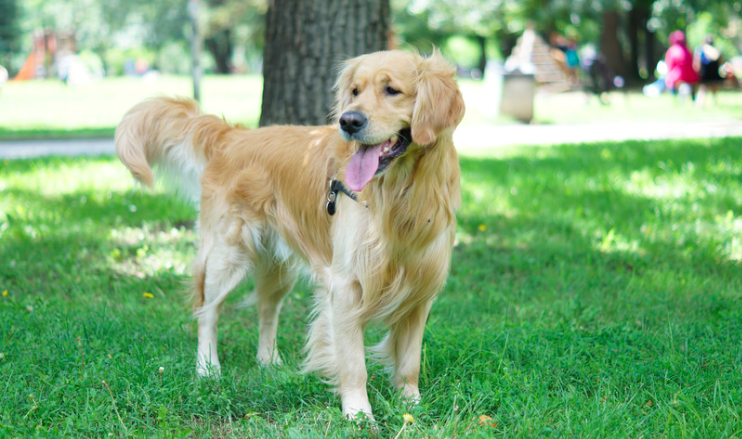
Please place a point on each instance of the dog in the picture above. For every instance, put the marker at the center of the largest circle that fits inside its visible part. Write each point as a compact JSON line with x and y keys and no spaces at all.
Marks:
{"x":367,"y":204}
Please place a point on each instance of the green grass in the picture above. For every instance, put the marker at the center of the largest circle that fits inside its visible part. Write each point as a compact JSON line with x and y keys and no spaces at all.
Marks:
{"x":42,"y":109}
{"x":49,"y":109}
{"x":624,"y":107}
{"x":594,"y":293}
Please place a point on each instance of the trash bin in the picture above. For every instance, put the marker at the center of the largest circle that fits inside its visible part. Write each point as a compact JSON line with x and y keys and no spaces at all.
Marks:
{"x":518,"y":91}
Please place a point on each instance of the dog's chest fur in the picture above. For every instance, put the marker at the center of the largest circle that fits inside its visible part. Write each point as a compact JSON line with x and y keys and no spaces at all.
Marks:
{"x":394,"y":274}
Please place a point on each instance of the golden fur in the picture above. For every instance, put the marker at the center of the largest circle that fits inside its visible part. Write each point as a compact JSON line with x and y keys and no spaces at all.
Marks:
{"x":263,"y":195}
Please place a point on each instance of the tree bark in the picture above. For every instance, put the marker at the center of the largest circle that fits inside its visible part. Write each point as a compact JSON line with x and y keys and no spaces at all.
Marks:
{"x":482,"y":42}
{"x":610,"y":44}
{"x":635,"y":26}
{"x":638,"y":34}
{"x":650,"y":47}
{"x":305,"y":42}
{"x":194,"y":7}
{"x":220,"y":47}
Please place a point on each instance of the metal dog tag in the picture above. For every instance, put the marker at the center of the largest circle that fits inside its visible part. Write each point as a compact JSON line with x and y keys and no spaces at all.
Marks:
{"x":331,"y":207}
{"x":331,"y":198}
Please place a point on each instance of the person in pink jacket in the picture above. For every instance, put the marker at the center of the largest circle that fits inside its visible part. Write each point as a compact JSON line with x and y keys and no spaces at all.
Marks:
{"x":679,"y":62}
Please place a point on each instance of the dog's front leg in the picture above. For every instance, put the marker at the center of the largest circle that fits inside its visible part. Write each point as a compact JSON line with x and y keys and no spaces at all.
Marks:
{"x":406,"y":338}
{"x":349,"y":349}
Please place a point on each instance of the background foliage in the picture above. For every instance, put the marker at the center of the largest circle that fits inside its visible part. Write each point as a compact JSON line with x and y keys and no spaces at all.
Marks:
{"x":470,"y":31}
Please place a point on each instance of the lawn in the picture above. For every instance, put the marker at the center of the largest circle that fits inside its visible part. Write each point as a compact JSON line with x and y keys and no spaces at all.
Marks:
{"x":39,"y":109}
{"x":594,"y":293}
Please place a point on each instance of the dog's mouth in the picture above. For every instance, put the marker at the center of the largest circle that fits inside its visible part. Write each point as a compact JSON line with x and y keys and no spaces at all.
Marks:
{"x":371,"y":160}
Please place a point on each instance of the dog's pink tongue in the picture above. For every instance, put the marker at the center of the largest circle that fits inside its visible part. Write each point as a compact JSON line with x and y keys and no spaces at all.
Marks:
{"x":362,"y":167}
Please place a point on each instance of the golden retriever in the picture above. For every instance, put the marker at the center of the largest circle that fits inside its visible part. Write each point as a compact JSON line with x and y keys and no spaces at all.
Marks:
{"x":267,"y":204}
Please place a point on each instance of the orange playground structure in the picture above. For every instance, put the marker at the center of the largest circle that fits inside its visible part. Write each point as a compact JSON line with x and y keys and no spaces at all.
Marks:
{"x":47,"y":49}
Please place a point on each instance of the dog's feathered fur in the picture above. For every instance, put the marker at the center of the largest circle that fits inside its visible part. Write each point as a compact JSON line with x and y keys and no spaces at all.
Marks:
{"x":263,"y":195}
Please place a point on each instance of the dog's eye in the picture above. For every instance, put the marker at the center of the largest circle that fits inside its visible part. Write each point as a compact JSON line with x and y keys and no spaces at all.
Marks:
{"x":391,"y":91}
{"x":354,"y":92}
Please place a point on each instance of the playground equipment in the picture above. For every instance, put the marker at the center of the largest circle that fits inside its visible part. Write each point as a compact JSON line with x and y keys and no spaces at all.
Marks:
{"x":53,"y":54}
{"x":532,"y":55}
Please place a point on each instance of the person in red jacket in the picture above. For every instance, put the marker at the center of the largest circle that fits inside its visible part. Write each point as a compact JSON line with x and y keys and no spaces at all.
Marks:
{"x":681,"y":77}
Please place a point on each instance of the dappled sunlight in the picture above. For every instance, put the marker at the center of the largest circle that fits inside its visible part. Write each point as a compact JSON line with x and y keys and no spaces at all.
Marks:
{"x":572,"y":262}
{"x":730,"y":226}
{"x":489,"y":200}
{"x":644,"y":183}
{"x":61,"y":176}
{"x":613,"y":242}
{"x":146,"y":251}
{"x":80,"y":221}
{"x":674,"y":202}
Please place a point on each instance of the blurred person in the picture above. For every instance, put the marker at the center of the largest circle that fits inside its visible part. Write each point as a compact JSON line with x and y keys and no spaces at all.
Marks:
{"x":681,"y":77}
{"x":141,"y":66}
{"x":564,"y":52}
{"x":573,"y":62}
{"x":707,"y":61}
{"x":600,"y":80}
{"x":727,"y":72}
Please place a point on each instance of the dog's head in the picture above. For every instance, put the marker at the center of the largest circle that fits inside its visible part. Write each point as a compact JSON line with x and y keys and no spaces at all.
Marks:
{"x":387,"y":101}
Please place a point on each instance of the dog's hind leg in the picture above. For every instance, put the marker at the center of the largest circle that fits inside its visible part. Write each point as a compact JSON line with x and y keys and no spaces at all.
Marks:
{"x":272,"y":282}
{"x":224,"y":266}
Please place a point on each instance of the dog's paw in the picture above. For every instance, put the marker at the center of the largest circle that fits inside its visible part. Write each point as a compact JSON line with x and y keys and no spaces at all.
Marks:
{"x":356,"y":405}
{"x":208,"y":370}
{"x":364,"y":420}
{"x":361,"y":417}
{"x":411,"y":394}
{"x":270,"y":360}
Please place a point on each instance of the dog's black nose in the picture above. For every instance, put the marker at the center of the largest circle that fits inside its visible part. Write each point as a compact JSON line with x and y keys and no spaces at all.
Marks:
{"x":352,"y":122}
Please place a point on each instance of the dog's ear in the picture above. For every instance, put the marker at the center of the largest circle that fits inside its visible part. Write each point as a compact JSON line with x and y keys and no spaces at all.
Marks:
{"x":438,"y":103}
{"x":342,"y":86}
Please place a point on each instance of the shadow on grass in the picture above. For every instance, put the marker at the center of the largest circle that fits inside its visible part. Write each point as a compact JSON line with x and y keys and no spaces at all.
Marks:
{"x":596,"y":218}
{"x":581,"y":273}
{"x":587,"y":266}
{"x":669,"y":202}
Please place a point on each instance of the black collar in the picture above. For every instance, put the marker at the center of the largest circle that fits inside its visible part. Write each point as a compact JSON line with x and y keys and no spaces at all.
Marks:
{"x":335,"y":187}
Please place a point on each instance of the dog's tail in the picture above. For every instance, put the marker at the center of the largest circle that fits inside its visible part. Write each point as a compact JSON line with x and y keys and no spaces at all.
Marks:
{"x":174,"y":137}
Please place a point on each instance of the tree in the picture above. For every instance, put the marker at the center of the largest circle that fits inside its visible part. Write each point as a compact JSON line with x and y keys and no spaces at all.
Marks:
{"x":635,"y":32}
{"x":305,"y":42}
{"x":486,"y":21}
{"x":630,"y":33}
{"x":229,"y":24}
{"x":476,"y":19}
{"x":99,"y":25}
{"x":9,"y":29}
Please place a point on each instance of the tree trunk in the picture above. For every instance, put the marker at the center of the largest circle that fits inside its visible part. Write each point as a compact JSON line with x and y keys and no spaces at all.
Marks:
{"x":650,"y":44}
{"x":220,"y":47}
{"x":10,"y":33}
{"x":305,"y":42}
{"x":194,"y":7}
{"x":635,"y":25}
{"x":482,"y":53}
{"x":638,"y":36}
{"x":610,"y":44}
